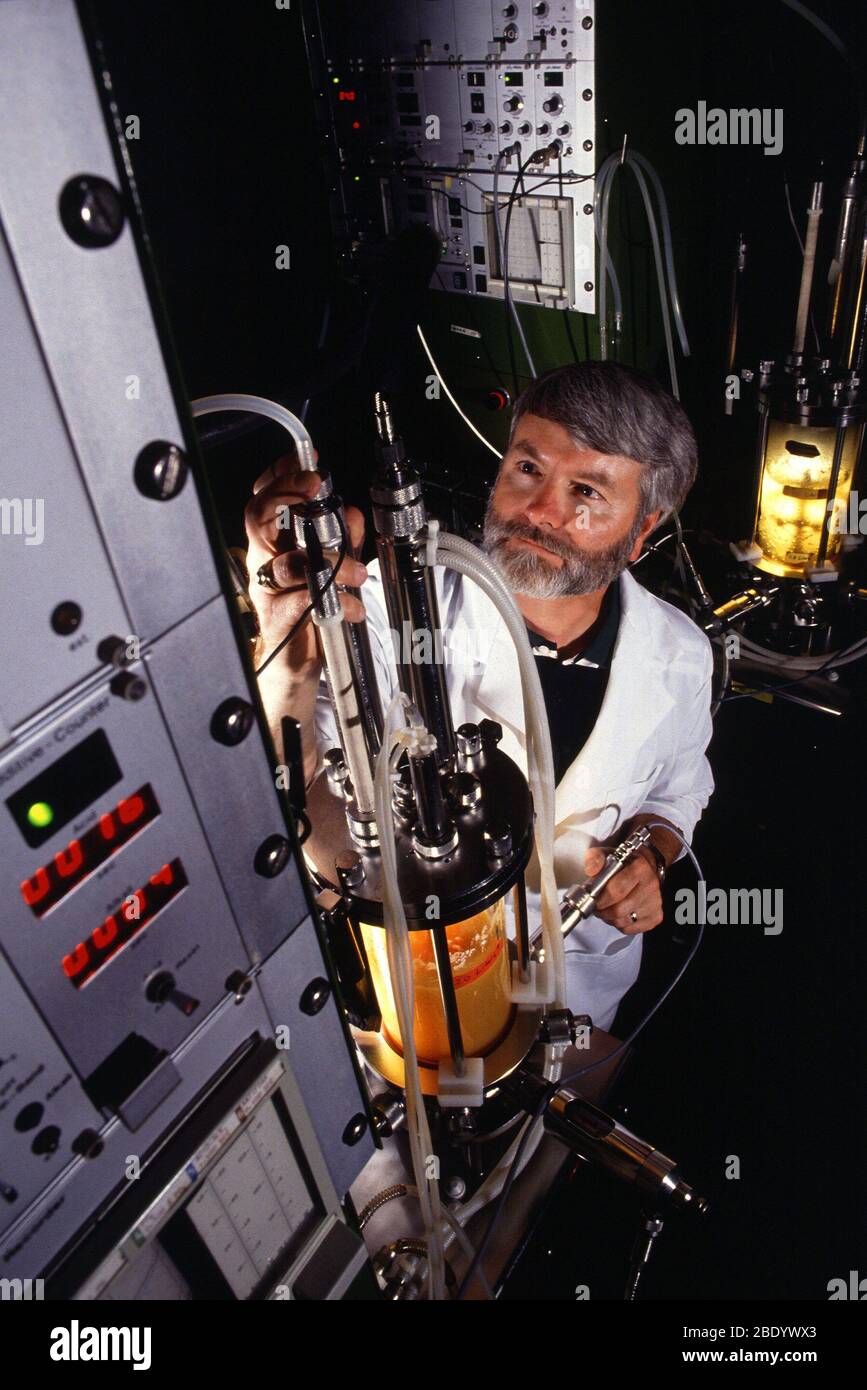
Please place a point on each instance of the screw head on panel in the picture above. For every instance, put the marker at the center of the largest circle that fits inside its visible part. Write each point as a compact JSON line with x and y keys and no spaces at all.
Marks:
{"x":160,"y":470}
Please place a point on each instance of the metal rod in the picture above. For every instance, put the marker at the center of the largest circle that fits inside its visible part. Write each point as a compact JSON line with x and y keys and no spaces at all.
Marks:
{"x":449,"y":999}
{"x":761,"y":448}
{"x":734,"y":315}
{"x":839,"y":441}
{"x":814,"y":212}
{"x":522,"y":929}
{"x":434,"y":821}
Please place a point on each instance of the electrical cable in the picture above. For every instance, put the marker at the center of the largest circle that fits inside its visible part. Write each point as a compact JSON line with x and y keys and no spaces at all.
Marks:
{"x":800,"y":241}
{"x":296,"y":626}
{"x":503,"y":239}
{"x":259,"y":405}
{"x":833,"y":38}
{"x":439,"y":376}
{"x":663,"y":253}
{"x":830,"y":663}
{"x":548,"y":1094}
{"x":498,"y":236}
{"x":401,"y":973}
{"x":769,"y":657}
{"x":320,"y":344}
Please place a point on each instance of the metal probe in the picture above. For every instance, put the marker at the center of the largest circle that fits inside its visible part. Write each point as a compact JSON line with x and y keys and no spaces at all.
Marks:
{"x":580,"y":902}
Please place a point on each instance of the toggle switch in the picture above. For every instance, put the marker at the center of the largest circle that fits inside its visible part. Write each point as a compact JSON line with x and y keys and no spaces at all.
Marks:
{"x":161,"y":989}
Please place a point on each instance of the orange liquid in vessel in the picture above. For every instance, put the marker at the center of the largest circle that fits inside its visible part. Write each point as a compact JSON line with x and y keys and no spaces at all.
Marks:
{"x":479,"y":958}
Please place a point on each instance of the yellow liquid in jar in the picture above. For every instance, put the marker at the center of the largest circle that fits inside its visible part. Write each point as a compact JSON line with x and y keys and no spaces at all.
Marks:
{"x":479,"y":956}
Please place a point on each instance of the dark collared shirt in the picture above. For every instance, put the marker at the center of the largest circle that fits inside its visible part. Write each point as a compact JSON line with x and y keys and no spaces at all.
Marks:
{"x":574,"y":686}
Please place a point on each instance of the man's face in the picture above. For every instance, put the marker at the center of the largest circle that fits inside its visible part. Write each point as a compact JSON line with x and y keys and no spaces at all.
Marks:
{"x":563,"y":519}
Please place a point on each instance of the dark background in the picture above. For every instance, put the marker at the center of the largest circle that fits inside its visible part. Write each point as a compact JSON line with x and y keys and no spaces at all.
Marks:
{"x":761,"y":1052}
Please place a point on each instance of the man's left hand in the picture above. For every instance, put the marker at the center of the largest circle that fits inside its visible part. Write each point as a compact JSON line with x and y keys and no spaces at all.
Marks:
{"x":632,"y":900}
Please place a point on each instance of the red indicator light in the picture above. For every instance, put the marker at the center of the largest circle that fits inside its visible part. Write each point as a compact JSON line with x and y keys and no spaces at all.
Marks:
{"x":356,"y":125}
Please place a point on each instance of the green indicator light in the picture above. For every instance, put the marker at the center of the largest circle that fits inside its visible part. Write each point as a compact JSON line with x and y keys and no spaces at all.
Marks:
{"x":40,"y":814}
{"x":357,"y":178}
{"x":336,"y":81}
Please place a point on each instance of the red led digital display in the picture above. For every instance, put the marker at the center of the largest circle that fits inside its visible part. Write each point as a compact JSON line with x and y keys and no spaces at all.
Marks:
{"x":346,"y":96}
{"x":115,"y":932}
{"x":70,"y":866}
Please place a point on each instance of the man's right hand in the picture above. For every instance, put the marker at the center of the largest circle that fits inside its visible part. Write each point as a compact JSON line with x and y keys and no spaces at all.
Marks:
{"x":282,"y":486}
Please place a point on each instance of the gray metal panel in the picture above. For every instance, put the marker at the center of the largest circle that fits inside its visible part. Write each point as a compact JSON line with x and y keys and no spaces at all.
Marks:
{"x":317,"y":1052}
{"x":448,"y":40}
{"x":33,"y":1072}
{"x":92,"y":313}
{"x":194,"y":936}
{"x":266,"y":909}
{"x":65,"y":1206}
{"x":69,"y":561}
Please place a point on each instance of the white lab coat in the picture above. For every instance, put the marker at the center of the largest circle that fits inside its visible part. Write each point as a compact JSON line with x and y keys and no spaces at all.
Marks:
{"x":646,"y":752}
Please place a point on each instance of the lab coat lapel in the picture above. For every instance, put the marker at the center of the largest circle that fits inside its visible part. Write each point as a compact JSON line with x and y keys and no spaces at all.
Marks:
{"x":635,"y":704}
{"x":492,"y":686}
{"x":486,"y":682}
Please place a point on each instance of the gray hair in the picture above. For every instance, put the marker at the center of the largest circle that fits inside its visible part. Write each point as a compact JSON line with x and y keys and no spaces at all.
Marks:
{"x":620,"y":410}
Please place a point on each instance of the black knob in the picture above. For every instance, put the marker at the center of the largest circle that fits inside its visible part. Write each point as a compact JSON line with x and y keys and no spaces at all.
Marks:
{"x":87,"y":1144}
{"x":232,"y":721}
{"x":29,"y":1117}
{"x":112,"y":650}
{"x":514,"y":103}
{"x":91,"y":211}
{"x":315,"y":997}
{"x":554,"y":103}
{"x":46,"y":1141}
{"x":66,"y":618}
{"x":355,"y":1129}
{"x":128,"y":686}
{"x":272,"y":856}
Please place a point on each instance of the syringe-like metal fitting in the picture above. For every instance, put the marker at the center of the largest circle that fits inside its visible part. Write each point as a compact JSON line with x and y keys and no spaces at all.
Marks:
{"x":382,"y":415}
{"x":580,"y":902}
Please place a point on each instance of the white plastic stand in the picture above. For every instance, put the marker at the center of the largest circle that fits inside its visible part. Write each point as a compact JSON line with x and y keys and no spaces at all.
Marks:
{"x":536,"y":991}
{"x":469,"y":1089}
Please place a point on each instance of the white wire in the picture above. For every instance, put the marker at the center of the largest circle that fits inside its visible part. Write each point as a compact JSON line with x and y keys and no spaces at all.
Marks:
{"x":439,"y":376}
{"x":400,"y":968}
{"x":503,"y":249}
{"x":663,"y":255}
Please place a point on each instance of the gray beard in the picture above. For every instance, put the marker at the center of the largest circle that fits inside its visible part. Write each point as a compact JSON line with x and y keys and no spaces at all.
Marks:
{"x":582,"y":571}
